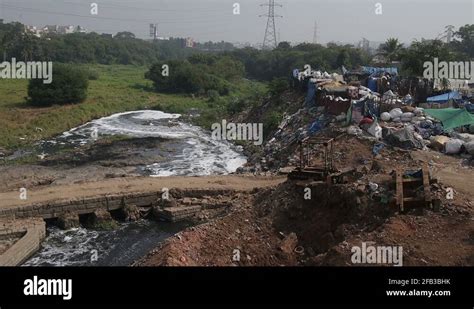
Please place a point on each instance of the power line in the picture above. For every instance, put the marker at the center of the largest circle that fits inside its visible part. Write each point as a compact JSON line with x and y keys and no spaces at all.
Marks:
{"x":114,"y":5}
{"x":186,"y":21}
{"x":110,"y":5}
{"x":30,"y":10}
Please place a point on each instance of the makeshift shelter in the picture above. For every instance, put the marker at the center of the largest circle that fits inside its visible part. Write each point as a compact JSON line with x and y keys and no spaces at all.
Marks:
{"x":451,"y":117}
{"x":335,"y":106}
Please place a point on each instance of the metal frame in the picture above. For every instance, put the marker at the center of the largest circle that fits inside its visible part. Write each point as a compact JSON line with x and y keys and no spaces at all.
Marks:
{"x":308,"y":144}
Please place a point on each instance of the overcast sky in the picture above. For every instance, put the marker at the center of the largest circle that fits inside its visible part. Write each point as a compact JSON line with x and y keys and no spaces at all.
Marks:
{"x":338,"y":20}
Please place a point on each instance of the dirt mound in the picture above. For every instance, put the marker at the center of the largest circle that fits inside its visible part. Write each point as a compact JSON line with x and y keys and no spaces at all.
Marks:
{"x":271,"y":227}
{"x":238,"y":239}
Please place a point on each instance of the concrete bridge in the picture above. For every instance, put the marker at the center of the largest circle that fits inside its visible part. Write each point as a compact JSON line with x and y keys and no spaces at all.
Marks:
{"x":112,"y":194}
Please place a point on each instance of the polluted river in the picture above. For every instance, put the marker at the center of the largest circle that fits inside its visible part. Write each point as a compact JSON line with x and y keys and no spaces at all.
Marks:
{"x":144,"y":143}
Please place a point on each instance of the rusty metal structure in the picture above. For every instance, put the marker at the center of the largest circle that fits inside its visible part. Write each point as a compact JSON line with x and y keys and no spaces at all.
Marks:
{"x":307,"y":149}
{"x":413,"y":188}
{"x":310,"y":147}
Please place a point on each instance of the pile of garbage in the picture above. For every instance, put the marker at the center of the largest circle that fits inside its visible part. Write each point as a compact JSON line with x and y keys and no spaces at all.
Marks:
{"x":367,"y":101}
{"x":410,"y":128}
{"x":375,"y":112}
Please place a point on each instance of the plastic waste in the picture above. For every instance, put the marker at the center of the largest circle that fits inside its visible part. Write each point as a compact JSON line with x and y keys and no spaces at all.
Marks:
{"x":418,"y":111}
{"x":373,"y":186}
{"x":395,"y":113}
{"x":438,"y":142}
{"x":453,"y":146}
{"x":385,"y":116}
{"x":377,"y":148}
{"x":470,"y":148}
{"x":375,"y":130}
{"x":353,"y":130}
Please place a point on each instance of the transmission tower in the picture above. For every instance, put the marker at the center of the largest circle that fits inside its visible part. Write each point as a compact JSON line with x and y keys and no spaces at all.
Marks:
{"x":315,"y":35}
{"x":154,"y":31}
{"x":449,"y":33}
{"x":270,"y":40}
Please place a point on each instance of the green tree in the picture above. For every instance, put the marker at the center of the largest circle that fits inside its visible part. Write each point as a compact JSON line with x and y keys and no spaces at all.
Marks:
{"x":278,"y":85}
{"x":69,"y":85}
{"x":419,"y":52}
{"x":391,"y":49}
{"x":464,"y":40}
{"x":125,"y":35}
{"x":284,"y":45}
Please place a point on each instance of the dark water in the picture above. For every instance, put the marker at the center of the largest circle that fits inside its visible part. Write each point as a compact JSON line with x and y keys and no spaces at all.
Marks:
{"x":120,"y":247}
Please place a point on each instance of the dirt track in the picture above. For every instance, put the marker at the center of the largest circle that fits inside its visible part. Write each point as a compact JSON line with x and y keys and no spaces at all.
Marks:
{"x":138,"y":184}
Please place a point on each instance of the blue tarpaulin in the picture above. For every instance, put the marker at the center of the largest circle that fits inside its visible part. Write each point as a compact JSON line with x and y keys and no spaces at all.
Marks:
{"x":296,"y":72}
{"x":469,"y":107}
{"x":316,"y":126}
{"x":311,"y":92}
{"x":372,"y":84}
{"x":373,"y":70}
{"x":443,"y":98}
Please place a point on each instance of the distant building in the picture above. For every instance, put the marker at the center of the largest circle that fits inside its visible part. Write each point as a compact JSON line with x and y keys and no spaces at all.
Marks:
{"x":55,"y":29}
{"x":50,"y":29}
{"x":65,"y":29}
{"x":32,"y":29}
{"x":190,"y":43}
{"x":80,"y":29}
{"x":379,"y":59}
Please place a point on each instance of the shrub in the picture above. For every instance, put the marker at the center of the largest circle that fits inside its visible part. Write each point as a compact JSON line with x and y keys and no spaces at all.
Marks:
{"x":271,"y":122}
{"x":278,"y":86}
{"x":213,"y":95}
{"x":93,"y":75}
{"x":69,"y":85}
{"x":185,"y":77}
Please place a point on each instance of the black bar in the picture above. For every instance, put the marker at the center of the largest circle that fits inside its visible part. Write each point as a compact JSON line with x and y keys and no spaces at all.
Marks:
{"x":352,"y":285}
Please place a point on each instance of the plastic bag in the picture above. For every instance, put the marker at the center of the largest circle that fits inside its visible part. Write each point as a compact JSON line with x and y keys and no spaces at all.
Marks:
{"x":375,"y":130}
{"x":385,"y":116}
{"x":395,"y":113}
{"x":453,"y":146}
{"x":470,"y":148}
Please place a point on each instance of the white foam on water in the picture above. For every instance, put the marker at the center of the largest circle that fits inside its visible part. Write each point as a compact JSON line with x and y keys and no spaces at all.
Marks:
{"x":152,"y":115}
{"x":118,"y":247}
{"x":66,"y":248}
{"x":201,"y":155}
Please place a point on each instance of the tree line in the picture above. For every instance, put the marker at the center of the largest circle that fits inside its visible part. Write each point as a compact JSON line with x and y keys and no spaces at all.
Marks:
{"x":204,"y":71}
{"x":123,"y":48}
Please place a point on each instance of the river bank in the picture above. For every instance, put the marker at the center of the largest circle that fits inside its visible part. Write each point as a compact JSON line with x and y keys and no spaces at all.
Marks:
{"x":131,"y":144}
{"x":118,"y":154}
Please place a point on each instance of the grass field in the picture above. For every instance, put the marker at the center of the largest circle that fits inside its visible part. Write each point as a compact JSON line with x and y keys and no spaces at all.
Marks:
{"x":118,"y":89}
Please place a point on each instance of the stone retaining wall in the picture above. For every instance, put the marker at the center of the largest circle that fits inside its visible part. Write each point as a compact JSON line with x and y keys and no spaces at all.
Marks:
{"x":82,"y":206}
{"x":55,"y":209}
